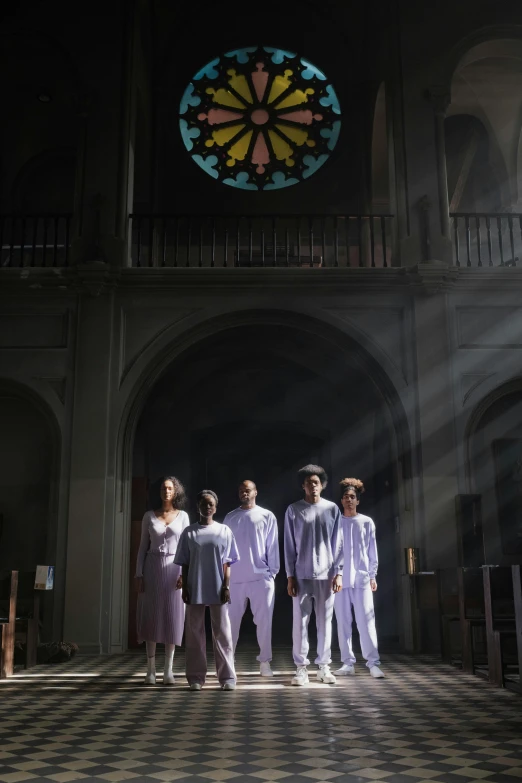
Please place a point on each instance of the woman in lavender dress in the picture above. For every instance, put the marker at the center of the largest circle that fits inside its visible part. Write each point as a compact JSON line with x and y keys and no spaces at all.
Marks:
{"x":161,"y":612}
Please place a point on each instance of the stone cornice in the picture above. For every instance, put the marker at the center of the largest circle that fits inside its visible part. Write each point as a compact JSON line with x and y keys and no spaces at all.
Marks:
{"x":423,"y":279}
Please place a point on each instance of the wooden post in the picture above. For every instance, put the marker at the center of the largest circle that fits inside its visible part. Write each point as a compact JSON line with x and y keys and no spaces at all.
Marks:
{"x":494,"y":662}
{"x":516,"y":572}
{"x":8,"y":632}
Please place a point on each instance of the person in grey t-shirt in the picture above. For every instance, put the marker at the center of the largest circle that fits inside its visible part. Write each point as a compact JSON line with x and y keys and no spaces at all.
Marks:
{"x":314,"y":566}
{"x":205,"y":552}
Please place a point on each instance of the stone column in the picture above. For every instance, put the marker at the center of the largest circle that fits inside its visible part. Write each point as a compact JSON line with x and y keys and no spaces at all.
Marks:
{"x":418,"y":168}
{"x":440,"y":100}
{"x":438,"y":484}
{"x":104,"y":191}
{"x":90,"y":471}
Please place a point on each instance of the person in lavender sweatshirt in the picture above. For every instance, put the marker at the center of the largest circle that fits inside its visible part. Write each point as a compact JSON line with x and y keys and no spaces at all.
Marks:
{"x":314,"y":567}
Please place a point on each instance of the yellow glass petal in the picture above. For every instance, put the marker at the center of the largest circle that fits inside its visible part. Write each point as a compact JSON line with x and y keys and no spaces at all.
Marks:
{"x":297,"y":135}
{"x":279,"y":85}
{"x":240,"y":85}
{"x":282,"y":150}
{"x":225,"y":98}
{"x":222,"y":135}
{"x":238,"y":151}
{"x":295,"y":98}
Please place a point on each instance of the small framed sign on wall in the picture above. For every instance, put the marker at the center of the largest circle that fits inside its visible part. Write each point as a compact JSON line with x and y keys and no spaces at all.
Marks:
{"x":44,"y":579}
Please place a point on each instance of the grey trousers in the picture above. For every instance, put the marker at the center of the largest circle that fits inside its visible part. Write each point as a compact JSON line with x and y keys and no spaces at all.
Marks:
{"x":196,"y":643}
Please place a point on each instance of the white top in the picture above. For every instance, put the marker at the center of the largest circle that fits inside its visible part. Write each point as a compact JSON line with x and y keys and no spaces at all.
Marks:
{"x":313,"y":540}
{"x":360,"y":551}
{"x":255,"y":531}
{"x":204,"y":549}
{"x":157,"y":538}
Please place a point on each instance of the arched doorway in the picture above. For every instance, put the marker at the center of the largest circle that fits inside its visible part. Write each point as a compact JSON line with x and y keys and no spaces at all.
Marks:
{"x":259,"y":400}
{"x":495,"y":471}
{"x":29,"y":458}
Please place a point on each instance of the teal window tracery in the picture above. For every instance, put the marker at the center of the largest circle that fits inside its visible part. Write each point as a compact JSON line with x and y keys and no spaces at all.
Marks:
{"x":260,"y":118}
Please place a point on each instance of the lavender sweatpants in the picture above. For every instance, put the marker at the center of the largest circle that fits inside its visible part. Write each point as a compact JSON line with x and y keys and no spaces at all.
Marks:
{"x":196,"y":643}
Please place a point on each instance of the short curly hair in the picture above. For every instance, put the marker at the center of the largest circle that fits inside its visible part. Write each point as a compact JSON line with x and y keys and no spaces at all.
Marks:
{"x":180,"y":498}
{"x":312,"y":470}
{"x":352,"y":483}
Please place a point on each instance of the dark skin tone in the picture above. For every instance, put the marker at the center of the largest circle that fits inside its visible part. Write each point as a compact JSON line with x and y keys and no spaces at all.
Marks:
{"x":312,"y":488}
{"x":207,"y":509}
{"x":349,"y":502}
{"x":247,"y":494}
{"x":166,"y":514}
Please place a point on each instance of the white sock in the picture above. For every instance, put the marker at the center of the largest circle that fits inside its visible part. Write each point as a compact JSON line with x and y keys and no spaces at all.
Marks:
{"x":151,"y":657}
{"x":169,"y":658}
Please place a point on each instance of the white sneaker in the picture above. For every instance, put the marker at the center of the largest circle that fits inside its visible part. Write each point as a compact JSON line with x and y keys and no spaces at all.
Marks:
{"x":301,"y":676}
{"x":325,"y":675}
{"x":228,"y":686}
{"x":195,"y":686}
{"x":168,"y":678}
{"x":376,"y":672}
{"x":346,"y":670}
{"x":265,"y":669}
{"x":150,"y":679}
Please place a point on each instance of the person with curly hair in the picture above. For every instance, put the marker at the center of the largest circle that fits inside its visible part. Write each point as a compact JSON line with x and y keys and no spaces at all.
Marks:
{"x":206,"y":550}
{"x":360,"y":569}
{"x":160,"y":610}
{"x":314,"y":567}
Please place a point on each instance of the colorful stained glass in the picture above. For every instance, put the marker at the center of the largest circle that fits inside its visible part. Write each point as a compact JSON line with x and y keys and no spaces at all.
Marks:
{"x":260,"y":118}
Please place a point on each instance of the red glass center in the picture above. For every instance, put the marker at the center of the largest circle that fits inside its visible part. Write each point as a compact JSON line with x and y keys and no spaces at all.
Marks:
{"x":260,"y":116}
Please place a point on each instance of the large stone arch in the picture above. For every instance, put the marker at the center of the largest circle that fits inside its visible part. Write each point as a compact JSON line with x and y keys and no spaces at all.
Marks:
{"x":485,"y":73}
{"x":138,"y":384}
{"x":493,"y":434}
{"x":36,"y":460}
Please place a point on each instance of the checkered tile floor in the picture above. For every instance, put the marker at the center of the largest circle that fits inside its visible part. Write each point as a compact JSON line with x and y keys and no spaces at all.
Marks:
{"x":92,"y":720}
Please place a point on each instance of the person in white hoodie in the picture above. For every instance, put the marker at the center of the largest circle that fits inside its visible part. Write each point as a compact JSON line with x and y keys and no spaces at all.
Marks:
{"x":359,"y":583}
{"x":252,"y":578}
{"x":314,"y":567}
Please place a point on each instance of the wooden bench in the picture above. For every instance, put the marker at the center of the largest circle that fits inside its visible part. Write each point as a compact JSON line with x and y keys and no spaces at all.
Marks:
{"x":448,"y":606}
{"x":8,"y":593}
{"x":19,"y":617}
{"x":471,"y":613}
{"x":28,"y":615}
{"x":500,"y":600}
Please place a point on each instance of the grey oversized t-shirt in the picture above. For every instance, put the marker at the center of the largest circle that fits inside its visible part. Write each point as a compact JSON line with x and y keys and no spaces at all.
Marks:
{"x":204,"y":549}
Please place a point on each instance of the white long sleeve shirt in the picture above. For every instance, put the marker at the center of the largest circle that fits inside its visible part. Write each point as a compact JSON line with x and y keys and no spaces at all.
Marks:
{"x":255,"y":531}
{"x":313,"y":540}
{"x":360,"y":551}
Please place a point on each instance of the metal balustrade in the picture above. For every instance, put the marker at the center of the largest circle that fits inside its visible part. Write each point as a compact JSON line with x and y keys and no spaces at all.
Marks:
{"x":294,"y":241}
{"x":482,"y":239}
{"x":185,"y":241}
{"x":34,"y":240}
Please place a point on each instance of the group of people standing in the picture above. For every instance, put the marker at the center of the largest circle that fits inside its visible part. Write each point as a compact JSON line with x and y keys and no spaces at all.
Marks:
{"x":331,"y":564}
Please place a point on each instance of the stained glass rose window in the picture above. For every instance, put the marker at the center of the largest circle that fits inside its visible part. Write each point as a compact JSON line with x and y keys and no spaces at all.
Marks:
{"x":260,"y":118}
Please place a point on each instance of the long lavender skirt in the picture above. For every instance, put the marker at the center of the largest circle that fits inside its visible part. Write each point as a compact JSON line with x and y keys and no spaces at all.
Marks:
{"x":161,"y":612}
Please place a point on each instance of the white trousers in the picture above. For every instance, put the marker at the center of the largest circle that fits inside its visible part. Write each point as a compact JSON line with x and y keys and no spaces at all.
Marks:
{"x":314,"y":594}
{"x":261,"y":596}
{"x":361,"y":598}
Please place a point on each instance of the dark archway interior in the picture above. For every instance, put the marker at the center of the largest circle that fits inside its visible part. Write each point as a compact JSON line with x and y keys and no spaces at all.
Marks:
{"x":497,"y":476}
{"x":27,"y":481}
{"x":258,"y":402}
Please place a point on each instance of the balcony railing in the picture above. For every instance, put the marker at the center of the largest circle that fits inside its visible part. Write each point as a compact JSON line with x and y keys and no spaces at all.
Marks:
{"x":481,"y":239}
{"x":261,"y":241}
{"x":184,"y":241}
{"x":34,"y":240}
